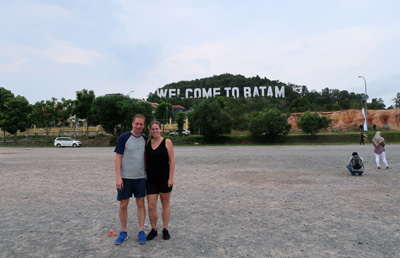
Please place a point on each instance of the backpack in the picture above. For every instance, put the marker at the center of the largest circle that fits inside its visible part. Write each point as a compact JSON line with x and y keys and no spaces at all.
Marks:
{"x":356,"y":162}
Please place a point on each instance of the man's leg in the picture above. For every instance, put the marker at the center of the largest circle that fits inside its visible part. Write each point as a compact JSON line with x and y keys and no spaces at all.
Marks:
{"x":123,"y":213}
{"x":152,"y":206}
{"x":141,"y":212}
{"x":349,"y":168}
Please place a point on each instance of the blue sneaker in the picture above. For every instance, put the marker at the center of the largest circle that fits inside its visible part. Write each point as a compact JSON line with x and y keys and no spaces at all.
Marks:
{"x":122,"y":237}
{"x":142,"y":237}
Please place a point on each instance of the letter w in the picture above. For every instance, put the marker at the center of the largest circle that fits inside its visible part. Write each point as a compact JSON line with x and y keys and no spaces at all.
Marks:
{"x":162,"y":93}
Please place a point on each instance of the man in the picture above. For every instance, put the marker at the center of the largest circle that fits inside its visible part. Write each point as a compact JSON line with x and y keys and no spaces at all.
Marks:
{"x":356,"y":164}
{"x":362,"y":138}
{"x":131,"y":177}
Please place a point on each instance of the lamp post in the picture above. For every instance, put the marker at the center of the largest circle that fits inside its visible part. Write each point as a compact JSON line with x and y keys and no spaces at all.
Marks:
{"x":130,"y":93}
{"x":366,"y":98}
{"x":166,"y":115}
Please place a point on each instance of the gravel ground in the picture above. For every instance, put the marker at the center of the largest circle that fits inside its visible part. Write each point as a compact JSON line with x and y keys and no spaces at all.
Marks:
{"x":228,"y":201}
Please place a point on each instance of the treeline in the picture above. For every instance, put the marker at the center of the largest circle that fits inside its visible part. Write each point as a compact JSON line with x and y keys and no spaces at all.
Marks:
{"x":113,"y":112}
{"x":298,"y":98}
{"x":211,"y":116}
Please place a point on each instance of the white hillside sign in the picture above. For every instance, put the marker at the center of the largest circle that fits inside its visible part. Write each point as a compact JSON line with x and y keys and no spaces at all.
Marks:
{"x":248,"y":92}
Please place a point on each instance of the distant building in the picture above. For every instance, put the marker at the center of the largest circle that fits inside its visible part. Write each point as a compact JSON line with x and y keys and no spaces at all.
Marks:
{"x":176,"y":109}
{"x":154,"y":106}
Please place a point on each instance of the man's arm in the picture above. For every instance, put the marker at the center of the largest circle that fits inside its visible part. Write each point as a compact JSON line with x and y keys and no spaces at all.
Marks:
{"x":118,"y":161}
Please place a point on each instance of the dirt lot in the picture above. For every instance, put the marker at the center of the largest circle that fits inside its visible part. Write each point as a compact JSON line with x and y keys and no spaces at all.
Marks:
{"x":228,"y":201}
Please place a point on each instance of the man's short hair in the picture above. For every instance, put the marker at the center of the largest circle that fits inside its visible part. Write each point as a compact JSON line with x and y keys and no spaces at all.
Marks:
{"x":139,"y":116}
{"x":354,"y":154}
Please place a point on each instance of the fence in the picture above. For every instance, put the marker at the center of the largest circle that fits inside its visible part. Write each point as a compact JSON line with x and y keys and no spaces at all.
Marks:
{"x":93,"y":130}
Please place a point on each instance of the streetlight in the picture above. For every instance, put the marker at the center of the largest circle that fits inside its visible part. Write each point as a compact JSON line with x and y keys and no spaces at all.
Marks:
{"x":130,"y":93}
{"x":166,"y":115}
{"x":366,"y":98}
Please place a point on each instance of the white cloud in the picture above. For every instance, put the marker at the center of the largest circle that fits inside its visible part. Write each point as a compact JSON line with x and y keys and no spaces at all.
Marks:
{"x":13,"y":67}
{"x":302,"y":58}
{"x":67,"y":53}
{"x":58,"y":51}
{"x":143,"y":45}
{"x":43,"y":11}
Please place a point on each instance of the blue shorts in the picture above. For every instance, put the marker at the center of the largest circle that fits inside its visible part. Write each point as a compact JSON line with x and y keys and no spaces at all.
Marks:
{"x":137,"y":187}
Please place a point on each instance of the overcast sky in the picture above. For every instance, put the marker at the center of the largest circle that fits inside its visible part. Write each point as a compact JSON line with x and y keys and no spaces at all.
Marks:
{"x":55,"y":48}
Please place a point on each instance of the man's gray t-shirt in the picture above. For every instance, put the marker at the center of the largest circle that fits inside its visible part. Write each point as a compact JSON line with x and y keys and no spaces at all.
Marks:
{"x":132,"y":149}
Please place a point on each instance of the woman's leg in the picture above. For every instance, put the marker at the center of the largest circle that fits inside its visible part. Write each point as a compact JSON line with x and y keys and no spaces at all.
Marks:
{"x":166,"y":208}
{"x":384,"y":159}
{"x":377,"y":159}
{"x":152,"y":207}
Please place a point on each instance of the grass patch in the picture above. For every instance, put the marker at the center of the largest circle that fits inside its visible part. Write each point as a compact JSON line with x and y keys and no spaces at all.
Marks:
{"x":235,"y":139}
{"x":291,"y":139}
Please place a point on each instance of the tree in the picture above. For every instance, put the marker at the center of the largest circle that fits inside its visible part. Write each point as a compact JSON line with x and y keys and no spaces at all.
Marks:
{"x":396,"y":100}
{"x":115,"y":113}
{"x":180,"y":120}
{"x":45,"y":114}
{"x":15,"y":116}
{"x":164,"y":112}
{"x":212,"y":119}
{"x":299,"y":105}
{"x":64,"y":108}
{"x":344,"y":99}
{"x":270,"y":122}
{"x":238,"y":108}
{"x":376,"y":104}
{"x":4,"y":96}
{"x":312,"y":123}
{"x":83,"y":106}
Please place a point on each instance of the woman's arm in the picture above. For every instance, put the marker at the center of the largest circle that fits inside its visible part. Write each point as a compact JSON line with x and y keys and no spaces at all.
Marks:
{"x":170,"y":149}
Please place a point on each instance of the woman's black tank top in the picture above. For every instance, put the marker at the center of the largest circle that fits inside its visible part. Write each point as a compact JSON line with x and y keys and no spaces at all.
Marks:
{"x":157,"y":162}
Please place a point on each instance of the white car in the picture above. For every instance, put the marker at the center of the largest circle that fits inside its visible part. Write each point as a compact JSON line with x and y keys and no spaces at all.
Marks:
{"x":66,"y":142}
{"x":185,"y":132}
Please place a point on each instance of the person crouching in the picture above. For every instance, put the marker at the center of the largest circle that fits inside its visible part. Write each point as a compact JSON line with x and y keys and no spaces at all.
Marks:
{"x":356,"y":164}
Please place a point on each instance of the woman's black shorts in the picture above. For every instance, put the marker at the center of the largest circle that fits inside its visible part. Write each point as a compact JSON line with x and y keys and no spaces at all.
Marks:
{"x":155,"y":187}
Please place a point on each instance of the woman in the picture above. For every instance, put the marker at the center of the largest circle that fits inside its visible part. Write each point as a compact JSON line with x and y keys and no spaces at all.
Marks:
{"x":160,"y":178}
{"x":379,"y":149}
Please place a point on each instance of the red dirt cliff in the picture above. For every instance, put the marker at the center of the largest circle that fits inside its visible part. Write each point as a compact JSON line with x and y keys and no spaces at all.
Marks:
{"x":353,"y":118}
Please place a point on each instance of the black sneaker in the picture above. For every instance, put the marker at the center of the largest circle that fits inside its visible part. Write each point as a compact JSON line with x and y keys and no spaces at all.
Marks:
{"x":151,"y":235}
{"x":165,"y":234}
